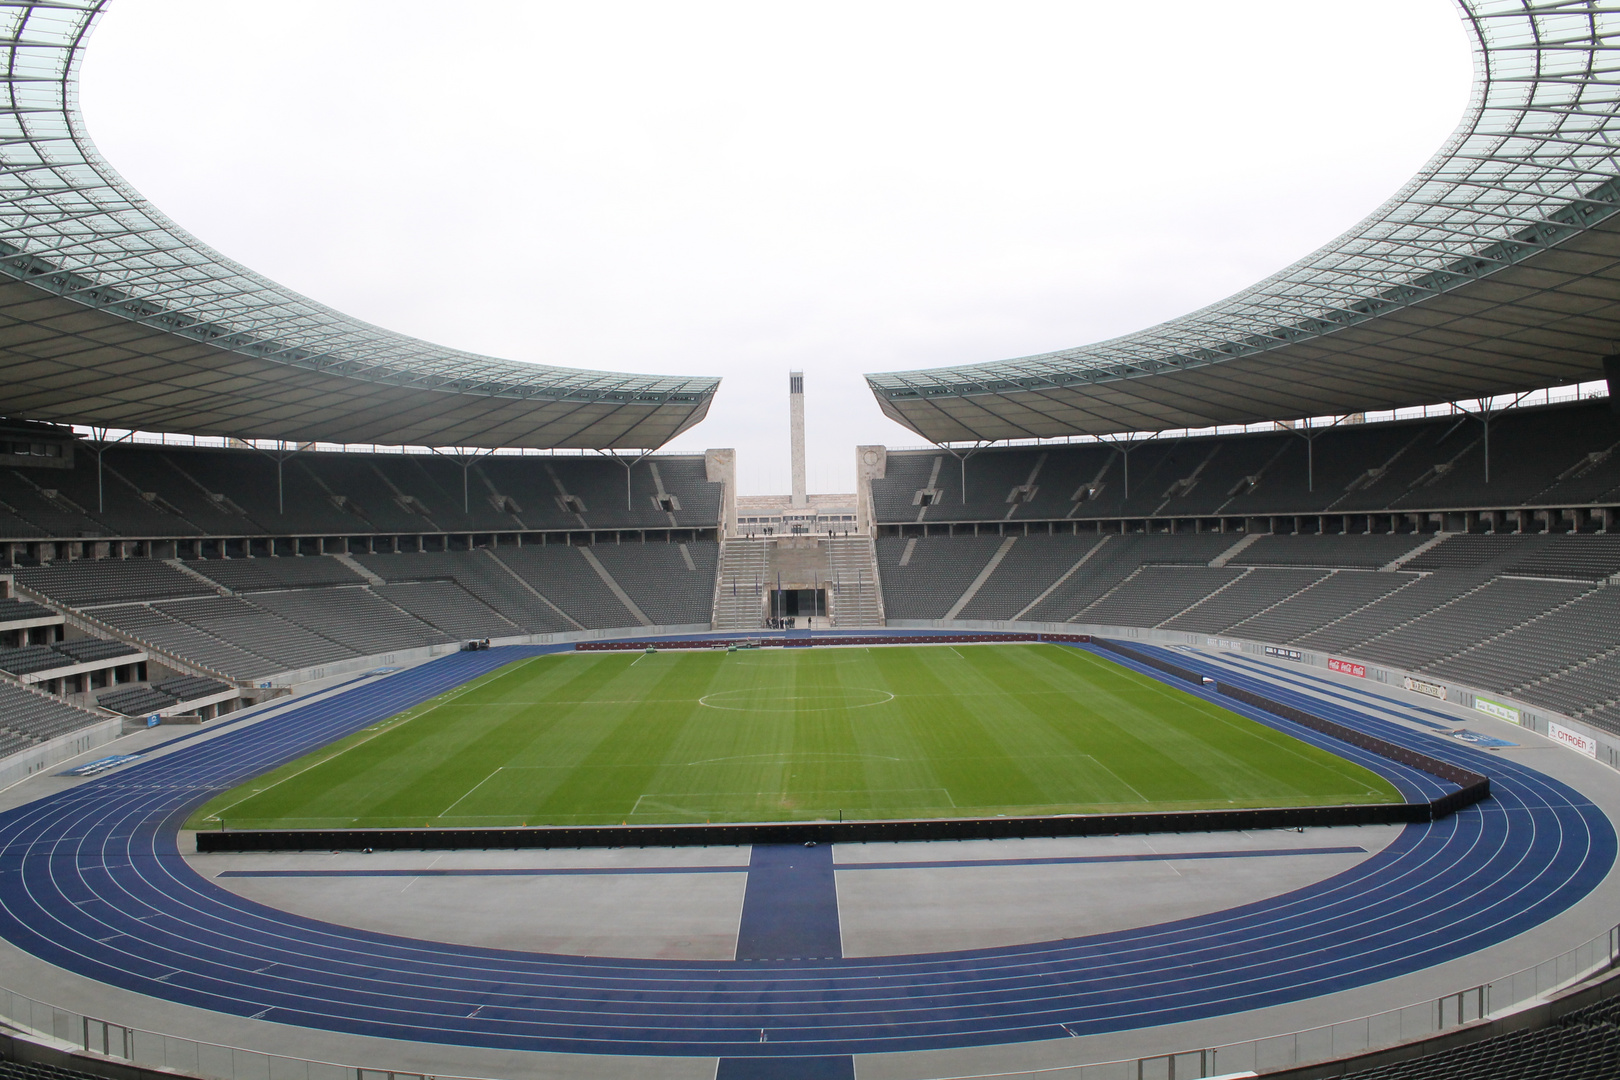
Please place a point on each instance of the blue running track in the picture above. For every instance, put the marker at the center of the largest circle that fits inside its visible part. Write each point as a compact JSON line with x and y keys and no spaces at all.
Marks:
{"x":91,"y":879}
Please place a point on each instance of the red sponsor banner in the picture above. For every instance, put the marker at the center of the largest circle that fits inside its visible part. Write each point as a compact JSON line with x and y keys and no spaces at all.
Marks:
{"x":1348,"y":667}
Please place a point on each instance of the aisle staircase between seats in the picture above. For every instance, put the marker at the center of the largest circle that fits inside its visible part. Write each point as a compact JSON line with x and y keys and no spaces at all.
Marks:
{"x":738,"y":601}
{"x":857,"y":596}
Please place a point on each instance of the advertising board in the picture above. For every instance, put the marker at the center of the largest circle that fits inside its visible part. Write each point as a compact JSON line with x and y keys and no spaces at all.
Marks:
{"x":1348,"y":667}
{"x":1287,"y":654}
{"x":1424,"y":686}
{"x":1496,"y":709}
{"x":1585,"y":744}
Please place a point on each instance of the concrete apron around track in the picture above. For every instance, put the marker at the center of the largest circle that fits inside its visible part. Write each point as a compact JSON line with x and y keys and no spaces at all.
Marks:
{"x":1585,"y":919}
{"x":718,"y":903}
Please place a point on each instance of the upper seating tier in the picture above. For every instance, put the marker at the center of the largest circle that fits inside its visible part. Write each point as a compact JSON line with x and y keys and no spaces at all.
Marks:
{"x":1551,"y":456}
{"x":172,"y":491}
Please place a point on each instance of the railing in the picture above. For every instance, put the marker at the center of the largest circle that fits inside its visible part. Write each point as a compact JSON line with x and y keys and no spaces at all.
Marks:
{"x":1361,"y":1035}
{"x":150,"y":1049}
{"x":153,"y":1050}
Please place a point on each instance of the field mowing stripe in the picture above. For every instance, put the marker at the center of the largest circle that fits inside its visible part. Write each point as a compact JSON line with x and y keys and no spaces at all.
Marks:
{"x":548,"y":701}
{"x":1064,"y":728}
{"x":392,"y":723}
{"x":899,"y":696}
{"x":806,"y":756}
{"x":671,"y":800}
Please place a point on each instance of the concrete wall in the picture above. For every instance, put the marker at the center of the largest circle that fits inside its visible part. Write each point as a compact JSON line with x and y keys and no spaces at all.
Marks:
{"x":23,"y":764}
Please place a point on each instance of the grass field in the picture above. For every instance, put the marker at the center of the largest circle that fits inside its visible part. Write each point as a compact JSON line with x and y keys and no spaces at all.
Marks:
{"x":795,"y":734}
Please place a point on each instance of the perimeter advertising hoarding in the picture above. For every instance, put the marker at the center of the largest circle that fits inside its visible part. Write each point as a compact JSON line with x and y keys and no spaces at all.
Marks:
{"x":1558,"y":733}
{"x":1497,"y":709}
{"x":1424,"y":686}
{"x":1348,"y":667}
{"x":1286,"y":654}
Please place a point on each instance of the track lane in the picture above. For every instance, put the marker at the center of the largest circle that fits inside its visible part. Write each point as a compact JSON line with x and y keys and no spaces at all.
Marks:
{"x":103,"y":860}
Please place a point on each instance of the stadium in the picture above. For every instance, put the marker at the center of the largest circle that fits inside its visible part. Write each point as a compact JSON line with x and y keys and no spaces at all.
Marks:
{"x":1237,"y":697}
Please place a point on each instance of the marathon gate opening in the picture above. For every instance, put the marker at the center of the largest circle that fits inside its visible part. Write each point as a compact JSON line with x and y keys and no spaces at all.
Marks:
{"x":792,"y":603}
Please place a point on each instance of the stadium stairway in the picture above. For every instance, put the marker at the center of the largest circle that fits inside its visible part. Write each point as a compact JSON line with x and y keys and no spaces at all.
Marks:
{"x":857,"y":598}
{"x":737,"y":603}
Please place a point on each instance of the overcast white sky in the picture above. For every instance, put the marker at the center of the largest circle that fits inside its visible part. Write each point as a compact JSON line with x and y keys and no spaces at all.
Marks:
{"x":739,"y":189}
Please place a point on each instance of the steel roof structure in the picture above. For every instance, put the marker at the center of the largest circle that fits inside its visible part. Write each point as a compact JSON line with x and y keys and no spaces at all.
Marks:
{"x":112,"y":315}
{"x":1495,"y":270}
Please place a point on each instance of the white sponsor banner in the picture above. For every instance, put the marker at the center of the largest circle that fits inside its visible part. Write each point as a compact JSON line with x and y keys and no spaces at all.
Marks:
{"x":1424,"y":686}
{"x":1496,"y":709}
{"x":1572,"y":739}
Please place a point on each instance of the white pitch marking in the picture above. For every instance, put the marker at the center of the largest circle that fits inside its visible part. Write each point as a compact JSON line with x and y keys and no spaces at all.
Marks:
{"x":1116,"y":776}
{"x":475,"y":787}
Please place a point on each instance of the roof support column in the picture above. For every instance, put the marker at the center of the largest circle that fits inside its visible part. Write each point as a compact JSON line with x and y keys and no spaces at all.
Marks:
{"x":466,"y":459}
{"x":99,"y":435}
{"x":629,"y":503}
{"x":1487,"y":413}
{"x":962,"y":459}
{"x":279,"y":455}
{"x":1123,"y":445}
{"x":1309,"y":434}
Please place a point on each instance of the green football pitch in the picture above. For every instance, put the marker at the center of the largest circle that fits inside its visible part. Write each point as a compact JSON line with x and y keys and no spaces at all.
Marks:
{"x":792,"y":735}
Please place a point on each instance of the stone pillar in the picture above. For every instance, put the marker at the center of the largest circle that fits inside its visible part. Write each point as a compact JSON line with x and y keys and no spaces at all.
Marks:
{"x":796,"y":418}
{"x":720,"y":467}
{"x":871,"y":463}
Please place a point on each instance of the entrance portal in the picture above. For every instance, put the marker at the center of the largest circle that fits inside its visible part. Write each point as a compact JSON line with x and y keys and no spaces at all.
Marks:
{"x":795,"y":603}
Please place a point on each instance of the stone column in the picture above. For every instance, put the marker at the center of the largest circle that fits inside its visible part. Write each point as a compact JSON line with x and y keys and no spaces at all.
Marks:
{"x":796,"y":411}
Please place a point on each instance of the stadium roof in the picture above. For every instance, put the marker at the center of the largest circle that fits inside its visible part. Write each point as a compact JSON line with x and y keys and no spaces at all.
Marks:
{"x":1496,"y":269}
{"x":112,"y":315}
